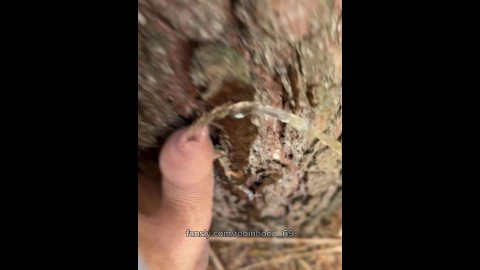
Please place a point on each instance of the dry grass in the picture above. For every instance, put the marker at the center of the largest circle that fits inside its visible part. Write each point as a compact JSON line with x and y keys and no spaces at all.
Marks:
{"x":254,"y":253}
{"x":253,"y":256}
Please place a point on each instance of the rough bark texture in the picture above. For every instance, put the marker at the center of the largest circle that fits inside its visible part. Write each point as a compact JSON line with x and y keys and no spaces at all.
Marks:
{"x":195,"y":55}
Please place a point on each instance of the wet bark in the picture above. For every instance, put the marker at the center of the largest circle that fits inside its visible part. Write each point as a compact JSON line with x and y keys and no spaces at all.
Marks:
{"x":196,"y":55}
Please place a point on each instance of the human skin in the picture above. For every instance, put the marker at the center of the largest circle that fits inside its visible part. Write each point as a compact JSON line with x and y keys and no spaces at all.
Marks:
{"x":183,"y":201}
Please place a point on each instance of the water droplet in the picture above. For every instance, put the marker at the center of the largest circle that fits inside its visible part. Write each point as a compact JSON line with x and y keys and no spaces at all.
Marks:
{"x":238,"y":115}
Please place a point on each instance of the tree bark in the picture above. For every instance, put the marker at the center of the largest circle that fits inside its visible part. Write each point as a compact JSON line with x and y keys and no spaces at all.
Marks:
{"x":196,"y":55}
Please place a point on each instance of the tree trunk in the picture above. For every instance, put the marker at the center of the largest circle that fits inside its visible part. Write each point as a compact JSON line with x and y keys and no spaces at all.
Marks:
{"x":196,"y":55}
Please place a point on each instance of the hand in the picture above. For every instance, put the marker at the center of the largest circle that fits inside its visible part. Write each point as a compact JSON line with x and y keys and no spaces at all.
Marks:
{"x":182,"y":202}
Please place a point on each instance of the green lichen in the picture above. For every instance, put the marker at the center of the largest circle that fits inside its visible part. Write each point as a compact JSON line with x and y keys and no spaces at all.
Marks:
{"x":214,"y":64}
